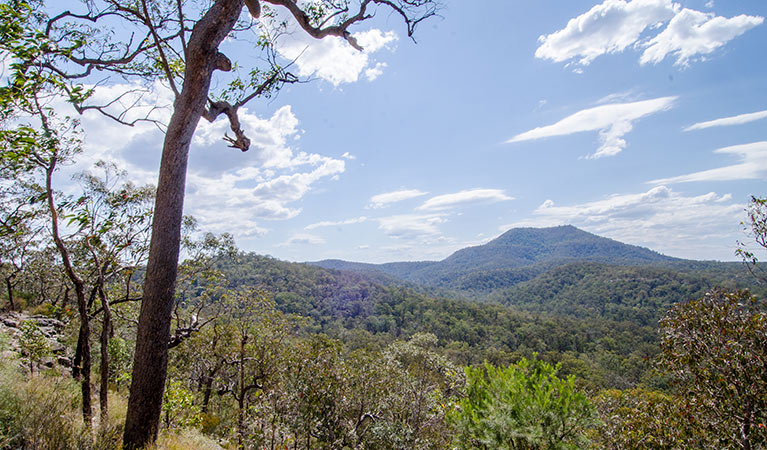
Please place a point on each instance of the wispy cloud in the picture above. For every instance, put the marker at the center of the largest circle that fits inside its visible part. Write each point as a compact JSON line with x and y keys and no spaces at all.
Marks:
{"x":753,"y":166}
{"x":339,"y":223}
{"x":729,"y":121}
{"x":302,"y":239}
{"x":613,"y":122}
{"x":662,"y":219}
{"x":448,"y":201}
{"x":411,"y":225}
{"x":617,"y":25}
{"x":387,"y":198}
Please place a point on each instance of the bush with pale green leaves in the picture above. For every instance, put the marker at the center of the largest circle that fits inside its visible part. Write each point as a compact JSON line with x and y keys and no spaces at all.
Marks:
{"x":522,"y":406}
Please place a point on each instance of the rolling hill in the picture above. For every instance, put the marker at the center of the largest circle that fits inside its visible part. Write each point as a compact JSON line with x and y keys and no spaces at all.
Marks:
{"x":517,"y":255}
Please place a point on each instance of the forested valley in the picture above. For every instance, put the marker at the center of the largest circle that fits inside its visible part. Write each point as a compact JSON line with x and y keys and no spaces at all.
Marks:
{"x":126,"y":324}
{"x":591,"y":350}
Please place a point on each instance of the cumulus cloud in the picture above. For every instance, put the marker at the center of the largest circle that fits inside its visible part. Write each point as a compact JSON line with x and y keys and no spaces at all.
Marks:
{"x":448,"y":201}
{"x":387,"y":198}
{"x":226,"y":190}
{"x":411,"y":225}
{"x":617,"y":25}
{"x":692,"y":34}
{"x":697,"y":226}
{"x":610,"y":27}
{"x":753,"y":166}
{"x":269,"y":199}
{"x":269,"y":137}
{"x":613,"y":121}
{"x":728,"y":121}
{"x":332,"y":58}
{"x":337,"y":223}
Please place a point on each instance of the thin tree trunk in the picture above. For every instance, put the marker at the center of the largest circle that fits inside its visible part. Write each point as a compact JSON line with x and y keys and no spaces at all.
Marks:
{"x":9,"y":286}
{"x":77,"y":359}
{"x":151,"y":356}
{"x":104,"y":387}
{"x":82,"y":308}
{"x":241,"y":399}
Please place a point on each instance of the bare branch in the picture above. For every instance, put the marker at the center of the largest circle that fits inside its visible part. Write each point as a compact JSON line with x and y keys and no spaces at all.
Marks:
{"x":340,"y":30}
{"x":158,"y":43}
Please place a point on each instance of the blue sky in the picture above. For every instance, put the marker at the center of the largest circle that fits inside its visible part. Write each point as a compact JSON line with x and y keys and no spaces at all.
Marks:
{"x":644,"y":121}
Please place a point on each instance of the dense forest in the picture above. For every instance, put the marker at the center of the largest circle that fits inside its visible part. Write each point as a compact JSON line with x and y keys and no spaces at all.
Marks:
{"x":126,"y":325}
{"x":267,"y":354}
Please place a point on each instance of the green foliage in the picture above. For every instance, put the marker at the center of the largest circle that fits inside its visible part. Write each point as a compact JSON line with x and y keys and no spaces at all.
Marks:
{"x":622,"y":293}
{"x":716,"y":350}
{"x":364,"y":313}
{"x":120,"y":361}
{"x":756,"y":225}
{"x":33,"y":343}
{"x":523,"y":406}
{"x":178,"y":407}
{"x":641,"y":419}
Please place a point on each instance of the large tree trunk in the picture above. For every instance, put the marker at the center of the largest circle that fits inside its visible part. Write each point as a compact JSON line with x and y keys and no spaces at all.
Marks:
{"x":151,"y":356}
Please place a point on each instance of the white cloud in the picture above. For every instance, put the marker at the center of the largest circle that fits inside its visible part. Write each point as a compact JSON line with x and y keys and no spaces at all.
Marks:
{"x":728,"y":121}
{"x":269,"y":137}
{"x":265,"y":183}
{"x":702,"y":226}
{"x":332,"y":58}
{"x":302,"y":239}
{"x":411,"y":225}
{"x":387,"y":198}
{"x":753,"y":166}
{"x":616,"y":25}
{"x":693,"y":33}
{"x":613,"y":122}
{"x":226,"y":193}
{"x":348,"y":156}
{"x":447,"y":201}
{"x":375,"y":72}
{"x":336,"y":224}
{"x":270,"y":199}
{"x":610,"y":27}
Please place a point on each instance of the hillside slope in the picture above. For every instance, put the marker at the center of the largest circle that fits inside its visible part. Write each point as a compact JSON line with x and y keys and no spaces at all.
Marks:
{"x":517,"y":255}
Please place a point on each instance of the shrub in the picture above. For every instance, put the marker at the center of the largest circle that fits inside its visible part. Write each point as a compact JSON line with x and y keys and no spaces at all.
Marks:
{"x":522,"y":406}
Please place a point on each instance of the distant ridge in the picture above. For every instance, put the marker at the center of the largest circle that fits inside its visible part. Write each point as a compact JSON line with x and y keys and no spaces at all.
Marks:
{"x":520,"y":247}
{"x":522,"y":252}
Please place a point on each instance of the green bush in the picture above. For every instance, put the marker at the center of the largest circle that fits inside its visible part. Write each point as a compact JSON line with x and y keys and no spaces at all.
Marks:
{"x":523,"y":406}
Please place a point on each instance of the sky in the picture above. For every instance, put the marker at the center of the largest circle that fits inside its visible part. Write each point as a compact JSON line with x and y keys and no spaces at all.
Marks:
{"x":644,"y":121}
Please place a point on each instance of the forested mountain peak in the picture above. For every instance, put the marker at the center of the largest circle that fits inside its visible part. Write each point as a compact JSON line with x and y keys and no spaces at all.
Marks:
{"x":526,"y":246}
{"x":530,"y":250}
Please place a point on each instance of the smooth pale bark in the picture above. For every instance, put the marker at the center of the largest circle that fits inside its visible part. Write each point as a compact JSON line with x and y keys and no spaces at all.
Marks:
{"x":151,"y":358}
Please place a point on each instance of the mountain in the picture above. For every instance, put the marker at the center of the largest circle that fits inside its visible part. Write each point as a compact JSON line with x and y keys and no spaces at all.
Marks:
{"x":517,"y":255}
{"x":560,"y":292}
